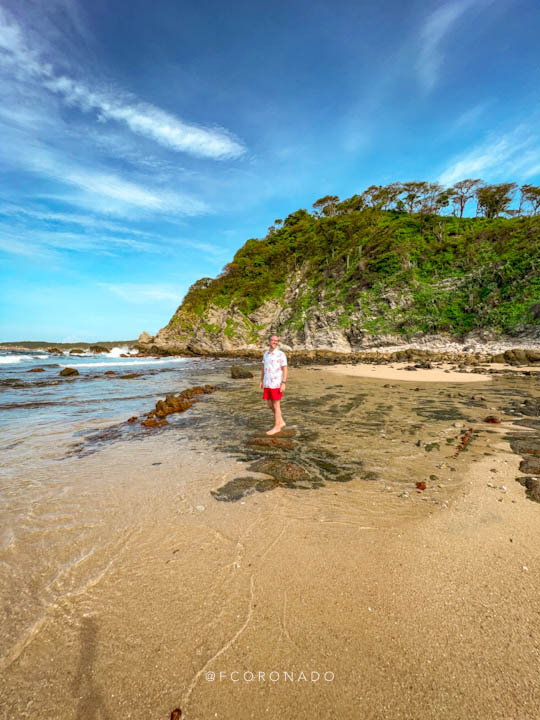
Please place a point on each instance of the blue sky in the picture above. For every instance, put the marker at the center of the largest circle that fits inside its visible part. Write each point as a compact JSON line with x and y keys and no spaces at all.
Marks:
{"x":141,"y":144}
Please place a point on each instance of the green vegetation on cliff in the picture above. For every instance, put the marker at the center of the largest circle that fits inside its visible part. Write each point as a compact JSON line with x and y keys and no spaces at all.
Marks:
{"x":400,"y":272}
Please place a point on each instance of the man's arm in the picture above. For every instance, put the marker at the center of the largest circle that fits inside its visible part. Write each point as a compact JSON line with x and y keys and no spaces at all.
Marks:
{"x":285,"y":370}
{"x":262,"y":375}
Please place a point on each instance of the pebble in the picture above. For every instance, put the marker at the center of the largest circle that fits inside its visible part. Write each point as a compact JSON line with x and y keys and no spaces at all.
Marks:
{"x":503,"y":488}
{"x":200,"y":508}
{"x":404,"y":494}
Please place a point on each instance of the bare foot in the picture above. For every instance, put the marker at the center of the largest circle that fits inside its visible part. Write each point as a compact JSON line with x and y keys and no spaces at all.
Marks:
{"x":273,"y":431}
{"x":282,"y":425}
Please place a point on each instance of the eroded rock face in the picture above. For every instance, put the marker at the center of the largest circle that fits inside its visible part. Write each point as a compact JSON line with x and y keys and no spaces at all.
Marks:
{"x":221,"y":330}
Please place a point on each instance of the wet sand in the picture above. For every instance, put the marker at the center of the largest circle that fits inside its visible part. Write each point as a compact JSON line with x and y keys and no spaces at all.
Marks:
{"x":402,"y":603}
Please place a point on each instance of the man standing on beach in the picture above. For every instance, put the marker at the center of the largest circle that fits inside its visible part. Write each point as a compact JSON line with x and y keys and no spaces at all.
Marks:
{"x":273,"y":381}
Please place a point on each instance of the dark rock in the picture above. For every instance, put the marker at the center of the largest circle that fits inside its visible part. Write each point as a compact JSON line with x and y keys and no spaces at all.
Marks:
{"x":271,"y":442}
{"x":532,"y":484}
{"x":54,"y":351}
{"x":98,"y":349}
{"x":110,"y":372}
{"x":526,"y":446}
{"x":239,"y":487}
{"x":152,"y":422}
{"x":280,"y":470}
{"x":530,"y":465}
{"x":129,"y":376}
{"x":533,"y":356}
{"x":531,"y":407}
{"x":492,"y":419}
{"x":238,"y":372}
{"x":69,"y":371}
{"x":36,"y":370}
{"x":76,"y":351}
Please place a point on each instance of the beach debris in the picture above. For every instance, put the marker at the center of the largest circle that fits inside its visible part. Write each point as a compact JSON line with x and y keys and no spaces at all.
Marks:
{"x":432,"y":446}
{"x":503,"y":488}
{"x":404,"y":494}
{"x":176,"y":714}
{"x":492,"y":419}
{"x":491,"y":485}
{"x":420,"y":443}
{"x":132,"y":419}
{"x":239,"y":373}
{"x":524,"y":567}
{"x":200,"y":508}
{"x":465,"y":439}
{"x":66,"y":372}
{"x":420,"y":485}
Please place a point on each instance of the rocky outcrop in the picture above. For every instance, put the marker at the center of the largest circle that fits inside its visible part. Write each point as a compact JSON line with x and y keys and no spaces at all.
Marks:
{"x":229,"y":331}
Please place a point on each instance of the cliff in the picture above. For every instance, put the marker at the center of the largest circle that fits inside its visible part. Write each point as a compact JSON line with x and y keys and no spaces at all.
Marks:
{"x":366,"y":279}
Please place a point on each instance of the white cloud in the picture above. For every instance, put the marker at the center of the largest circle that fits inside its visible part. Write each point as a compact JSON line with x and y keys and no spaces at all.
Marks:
{"x":114,"y":104}
{"x":432,"y":35}
{"x":508,"y":157}
{"x":102,"y":191}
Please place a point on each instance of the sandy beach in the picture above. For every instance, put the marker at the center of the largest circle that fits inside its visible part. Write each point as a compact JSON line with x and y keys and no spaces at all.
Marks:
{"x":443,"y":372}
{"x":348,"y":601}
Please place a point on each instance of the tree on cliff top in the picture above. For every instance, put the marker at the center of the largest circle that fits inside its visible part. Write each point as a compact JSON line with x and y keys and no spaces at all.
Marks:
{"x":462,"y":192}
{"x":495,"y":199}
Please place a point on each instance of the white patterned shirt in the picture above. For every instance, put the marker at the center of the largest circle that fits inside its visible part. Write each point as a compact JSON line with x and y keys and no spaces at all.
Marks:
{"x":273,"y":362}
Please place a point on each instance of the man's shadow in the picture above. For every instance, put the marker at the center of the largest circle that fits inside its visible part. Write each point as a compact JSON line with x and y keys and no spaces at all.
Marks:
{"x":90,"y":705}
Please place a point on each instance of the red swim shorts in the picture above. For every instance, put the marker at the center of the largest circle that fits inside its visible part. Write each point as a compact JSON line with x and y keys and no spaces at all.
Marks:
{"x":272,"y":394}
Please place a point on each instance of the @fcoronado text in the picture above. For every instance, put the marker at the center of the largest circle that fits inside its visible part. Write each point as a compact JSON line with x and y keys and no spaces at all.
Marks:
{"x":303,"y":676}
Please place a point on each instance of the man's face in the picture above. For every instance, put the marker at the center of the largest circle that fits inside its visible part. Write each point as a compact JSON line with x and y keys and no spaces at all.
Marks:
{"x":274,"y":342}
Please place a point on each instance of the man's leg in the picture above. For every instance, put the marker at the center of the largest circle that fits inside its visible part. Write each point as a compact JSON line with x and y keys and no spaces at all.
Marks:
{"x":278,"y":419}
{"x":270,"y":404}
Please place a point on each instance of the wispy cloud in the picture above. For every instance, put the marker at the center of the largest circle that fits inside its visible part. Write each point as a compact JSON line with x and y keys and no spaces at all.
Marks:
{"x":510,"y":156}
{"x":432,"y":35}
{"x":100,"y":189}
{"x":113,"y":104}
